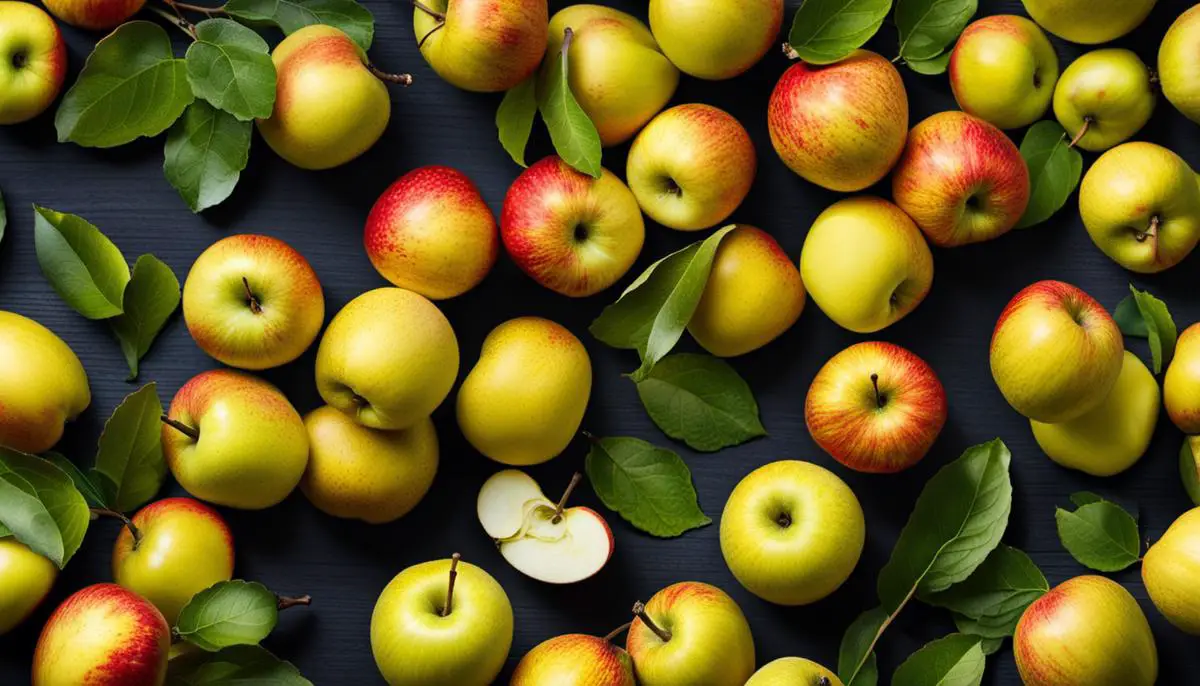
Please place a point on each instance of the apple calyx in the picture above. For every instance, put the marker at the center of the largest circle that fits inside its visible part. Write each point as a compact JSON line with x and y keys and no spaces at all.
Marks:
{"x":133,"y":530}
{"x":251,"y":299}
{"x":639,"y":611}
{"x":191,"y":432}
{"x":283,"y":602}
{"x":1150,"y":232}
{"x":445,"y":611}
{"x":880,"y":398}
{"x":1087,"y":122}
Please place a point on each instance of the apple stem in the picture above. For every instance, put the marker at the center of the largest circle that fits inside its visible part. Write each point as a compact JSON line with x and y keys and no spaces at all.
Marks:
{"x":283,"y":602}
{"x":182,"y":428}
{"x":255,"y":306}
{"x":562,"y":502}
{"x":617,"y":631}
{"x":429,"y":10}
{"x":1087,"y":122}
{"x":639,"y":611}
{"x":450,"y":588}
{"x":880,"y":398}
{"x":1151,"y":232}
{"x":388,"y":77}
{"x":790,"y":52}
{"x":133,"y":530}
{"x":177,"y":20}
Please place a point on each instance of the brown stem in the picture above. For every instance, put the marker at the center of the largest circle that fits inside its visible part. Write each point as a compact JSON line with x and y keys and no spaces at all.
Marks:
{"x":790,"y":52}
{"x":284,"y":602}
{"x":133,"y":530}
{"x":1150,"y":232}
{"x":880,"y":399}
{"x":450,"y":588}
{"x":182,"y":428}
{"x":176,"y":20}
{"x":435,"y":29}
{"x":255,"y":306}
{"x":401,"y":79}
{"x":562,"y":502}
{"x":617,"y":631}
{"x":429,"y":10}
{"x":639,"y":611}
{"x":1087,"y":122}
{"x":209,"y":11}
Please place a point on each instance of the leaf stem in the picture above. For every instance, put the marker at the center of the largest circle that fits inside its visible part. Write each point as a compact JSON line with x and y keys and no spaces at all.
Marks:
{"x":450,"y":587}
{"x":133,"y":530}
{"x":401,"y":79}
{"x":190,"y":432}
{"x":175,"y":20}
{"x":886,"y":623}
{"x":617,"y":631}
{"x":207,"y":11}
{"x":283,"y":602}
{"x":562,"y":502}
{"x":639,"y":611}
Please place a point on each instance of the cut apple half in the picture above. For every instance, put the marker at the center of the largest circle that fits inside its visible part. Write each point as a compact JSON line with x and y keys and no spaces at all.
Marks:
{"x":505,"y":502}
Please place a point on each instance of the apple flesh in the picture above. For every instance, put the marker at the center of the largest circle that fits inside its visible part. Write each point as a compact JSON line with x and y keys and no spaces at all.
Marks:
{"x":42,"y":385}
{"x":95,"y":15}
{"x":1176,"y":66}
{"x":25,"y":579}
{"x":1103,"y":98}
{"x":33,"y":61}
{"x":1170,"y":569}
{"x":574,"y":660}
{"x":480,"y":45}
{"x":1003,"y":70}
{"x":715,"y":39}
{"x":1181,"y":385}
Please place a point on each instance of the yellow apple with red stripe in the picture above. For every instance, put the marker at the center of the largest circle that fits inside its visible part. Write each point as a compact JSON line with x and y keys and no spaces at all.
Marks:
{"x":25,"y":579}
{"x":42,"y":384}
{"x":481,"y":45}
{"x":33,"y":61}
{"x":96,"y":15}
{"x":574,"y":660}
{"x":1003,"y":70}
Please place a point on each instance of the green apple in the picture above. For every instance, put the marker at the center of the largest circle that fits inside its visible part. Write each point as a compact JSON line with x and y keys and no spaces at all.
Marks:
{"x":1111,"y":437}
{"x":1170,"y":570}
{"x":574,"y":660}
{"x":1103,"y":98}
{"x":690,"y":633}
{"x":715,"y":39}
{"x":1181,"y":385}
{"x":1140,"y":204}
{"x":25,"y":579}
{"x":33,"y":61}
{"x":1089,"y":21}
{"x":1177,"y":65}
{"x":793,"y":671}
{"x":691,"y":167}
{"x":173,"y":549}
{"x":42,"y":384}
{"x":441,"y":622}
{"x":1003,"y":70}
{"x":792,"y":532}
{"x":866,"y":264}
{"x":481,"y":45}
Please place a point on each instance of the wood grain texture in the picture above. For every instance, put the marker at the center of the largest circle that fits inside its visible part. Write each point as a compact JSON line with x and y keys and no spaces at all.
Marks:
{"x":295,"y":549}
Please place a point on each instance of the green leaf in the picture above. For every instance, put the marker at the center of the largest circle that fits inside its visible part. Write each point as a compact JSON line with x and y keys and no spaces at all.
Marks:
{"x":572,"y":132}
{"x":957,"y":522}
{"x":932,"y":66}
{"x":856,"y":658}
{"x":292,"y":15}
{"x":86,"y":270}
{"x":649,"y":486}
{"x":996,"y":594}
{"x":514,"y":118}
{"x":206,"y":151}
{"x":928,"y":27}
{"x":1081,"y":498}
{"x":248,"y":665}
{"x":131,"y":86}
{"x":130,"y":453}
{"x":230,"y":66}
{"x":92,"y":494}
{"x":1101,"y":536}
{"x":1054,"y":171}
{"x":41,"y":506}
{"x":228,"y":613}
{"x":956,"y":660}
{"x":826,"y":31}
{"x":1129,"y":318}
{"x":1144,"y":316}
{"x":700,"y":400}
{"x":150,"y":298}
{"x":1189,"y":471}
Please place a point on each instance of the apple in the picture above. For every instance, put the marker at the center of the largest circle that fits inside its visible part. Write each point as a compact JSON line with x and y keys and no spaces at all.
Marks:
{"x":571,"y":233}
{"x":355,"y":472}
{"x":96,"y":15}
{"x":1103,"y":98}
{"x":543,"y":540}
{"x":1181,"y":385}
{"x":1111,"y":437}
{"x":841,"y":126}
{"x":1086,"y":631}
{"x":1003,"y":70}
{"x":753,"y":295}
{"x":961,"y":180}
{"x":481,"y":45}
{"x":1170,"y":569}
{"x":441,"y":622}
{"x":1056,"y":353}
{"x":1140,"y":204}
{"x":792,"y":532}
{"x":388,"y":359}
{"x":253,"y":302}
{"x":690,"y":633}
{"x":1176,"y":71}
{"x":432,"y":233}
{"x":616,"y":70}
{"x":42,"y":385}
{"x":25,"y":580}
{"x":1089,"y":21}
{"x":875,"y":407}
{"x":33,"y":61}
{"x":103,"y":635}
{"x":866,"y":264}
{"x":234,"y":440}
{"x":574,"y":660}
{"x":715,"y":39}
{"x":793,"y":671}
{"x":691,"y":167}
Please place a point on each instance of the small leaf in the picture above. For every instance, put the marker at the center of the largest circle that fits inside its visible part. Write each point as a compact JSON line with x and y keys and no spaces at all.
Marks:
{"x":130,"y":453}
{"x":956,"y":660}
{"x":856,"y":659}
{"x":243,"y":665}
{"x":649,"y":486}
{"x":150,"y":298}
{"x":995,"y":596}
{"x":928,"y":27}
{"x":700,"y":400}
{"x":826,"y":31}
{"x":40,"y":505}
{"x":230,"y":66}
{"x":932,"y":66}
{"x":86,"y":270}
{"x":292,"y":15}
{"x":91,"y":492}
{"x":228,"y":613}
{"x":206,"y":151}
{"x":1101,"y":536}
{"x":1081,"y":498}
{"x":1054,"y":171}
{"x":1144,"y":316}
{"x":131,"y":86}
{"x":572,"y":132}
{"x":514,"y":118}
{"x":1189,"y":471}
{"x":1129,"y":318}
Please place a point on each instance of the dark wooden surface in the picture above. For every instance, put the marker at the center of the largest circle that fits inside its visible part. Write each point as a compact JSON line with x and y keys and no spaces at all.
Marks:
{"x":294,"y":548}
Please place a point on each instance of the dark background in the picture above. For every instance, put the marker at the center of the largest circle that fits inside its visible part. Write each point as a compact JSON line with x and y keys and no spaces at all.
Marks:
{"x":294,"y":548}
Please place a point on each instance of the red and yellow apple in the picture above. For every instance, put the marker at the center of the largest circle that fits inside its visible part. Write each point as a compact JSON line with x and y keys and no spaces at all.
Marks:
{"x":33,"y":61}
{"x":482,"y":45}
{"x":96,"y":15}
{"x":42,"y":384}
{"x":1003,"y":70}
{"x":25,"y":579}
{"x":1181,"y":385}
{"x":574,"y":660}
{"x":715,"y":40}
{"x":1170,"y":569}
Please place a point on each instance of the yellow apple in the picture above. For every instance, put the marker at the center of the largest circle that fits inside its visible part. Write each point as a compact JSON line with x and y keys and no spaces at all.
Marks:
{"x":1181,"y":385}
{"x":33,"y":61}
{"x":1170,"y":570}
{"x":25,"y":579}
{"x":574,"y":660}
{"x":1089,"y":21}
{"x":1003,"y":70}
{"x":1176,"y":63}
{"x":793,"y":671}
{"x":1104,"y":97}
{"x":481,"y":45}
{"x":42,"y":384}
{"x":715,"y":39}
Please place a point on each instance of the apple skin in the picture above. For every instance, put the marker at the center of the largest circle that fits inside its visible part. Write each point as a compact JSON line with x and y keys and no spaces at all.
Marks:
{"x":185,"y":547}
{"x":793,"y":671}
{"x":574,"y":660}
{"x":42,"y":385}
{"x":432,"y":233}
{"x":792,"y":532}
{"x":866,"y":264}
{"x":329,"y":108}
{"x":836,"y":141}
{"x":1089,"y":21}
{"x":95,"y":15}
{"x":25,"y":580}
{"x":876,"y":431}
{"x":1176,"y":67}
{"x":484,"y":45}
{"x":275,"y":328}
{"x":571,"y":233}
{"x":712,"y":643}
{"x":1112,"y":436}
{"x":715,"y":40}
{"x":1086,"y":631}
{"x":1003,"y":70}
{"x":753,"y":295}
{"x":691,"y":167}
{"x":29,"y":36}
{"x":103,"y":635}
{"x":1140,"y":204}
{"x":961,"y":180}
{"x":1055,"y":352}
{"x":414,"y":645}
{"x":1170,"y":569}
{"x":1110,"y":91}
{"x":252,"y":448}
{"x":1181,"y":385}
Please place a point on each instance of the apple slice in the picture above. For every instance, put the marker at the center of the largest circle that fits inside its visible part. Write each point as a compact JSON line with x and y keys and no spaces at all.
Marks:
{"x":505,"y":502}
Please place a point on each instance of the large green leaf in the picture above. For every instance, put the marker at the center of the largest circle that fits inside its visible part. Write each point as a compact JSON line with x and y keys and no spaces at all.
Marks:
{"x":206,"y":151}
{"x":86,"y":270}
{"x":930,"y":67}
{"x":150,"y":298}
{"x":649,"y":486}
{"x":87,"y":487}
{"x":1099,"y":535}
{"x":997,"y":593}
{"x":856,"y":656}
{"x":1142,"y":315}
{"x":572,"y":132}
{"x":826,"y":31}
{"x":230,"y":66}
{"x":228,"y":613}
{"x":700,"y":400}
{"x":292,"y":15}
{"x":514,"y":118}
{"x":41,"y":506}
{"x":928,"y":27}
{"x":1054,"y":171}
{"x":243,"y":665}
{"x":131,"y":453}
{"x":956,"y":660}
